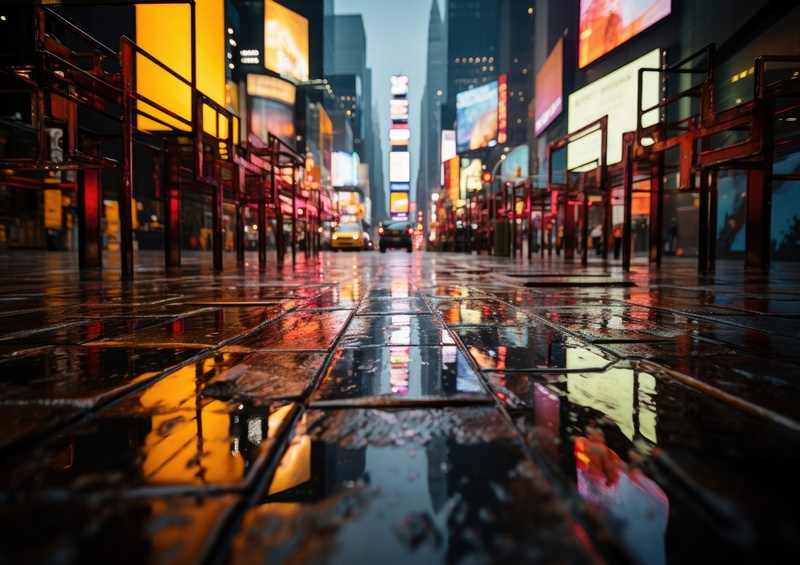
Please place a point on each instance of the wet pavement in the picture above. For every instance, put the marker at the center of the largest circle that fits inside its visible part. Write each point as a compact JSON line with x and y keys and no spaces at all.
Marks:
{"x":398,"y":408}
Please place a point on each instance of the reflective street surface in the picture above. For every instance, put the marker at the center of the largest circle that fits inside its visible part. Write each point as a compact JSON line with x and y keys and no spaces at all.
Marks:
{"x":397,"y":408}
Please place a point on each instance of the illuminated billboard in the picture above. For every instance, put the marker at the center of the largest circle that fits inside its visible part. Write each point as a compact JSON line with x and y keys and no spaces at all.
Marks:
{"x":164,"y":30}
{"x":613,"y":95}
{"x":271,"y":87}
{"x":399,"y":85}
{"x":399,"y":186}
{"x":399,"y":136}
{"x":476,"y":117}
{"x":452,"y":183}
{"x":604,"y":25}
{"x":270,"y":116}
{"x":448,"y":148}
{"x":345,"y":169}
{"x":470,"y":176}
{"x":399,"y":109}
{"x":502,"y":108}
{"x":398,"y":203}
{"x":549,"y":89}
{"x":285,"y":41}
{"x":399,"y":166}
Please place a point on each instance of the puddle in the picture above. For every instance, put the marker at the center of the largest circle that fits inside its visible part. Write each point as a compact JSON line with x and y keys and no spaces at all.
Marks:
{"x":399,"y":373}
{"x":677,"y":474}
{"x":406,"y":489}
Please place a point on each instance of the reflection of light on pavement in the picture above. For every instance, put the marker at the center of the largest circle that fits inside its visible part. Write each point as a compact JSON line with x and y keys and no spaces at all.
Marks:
{"x":401,"y":330}
{"x":640,"y":505}
{"x":295,"y":466}
{"x":470,"y":315}
{"x":617,"y":393}
{"x":398,"y":372}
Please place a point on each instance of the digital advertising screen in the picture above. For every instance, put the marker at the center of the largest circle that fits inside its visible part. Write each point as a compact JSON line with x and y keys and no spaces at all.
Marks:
{"x":549,"y":89}
{"x":470,"y":176}
{"x":448,"y":147}
{"x":399,"y":108}
{"x":613,"y":95}
{"x":452,"y":182}
{"x":271,"y":87}
{"x":400,"y":187}
{"x":476,"y":117}
{"x":399,"y":136}
{"x":285,"y":41}
{"x":399,"y":166}
{"x":345,"y":169}
{"x":399,"y":85}
{"x":398,"y":202}
{"x":270,"y":116}
{"x":606,"y":24}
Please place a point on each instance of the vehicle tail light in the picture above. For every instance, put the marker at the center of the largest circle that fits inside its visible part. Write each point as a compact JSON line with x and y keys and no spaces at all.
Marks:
{"x":380,"y":230}
{"x":410,"y":231}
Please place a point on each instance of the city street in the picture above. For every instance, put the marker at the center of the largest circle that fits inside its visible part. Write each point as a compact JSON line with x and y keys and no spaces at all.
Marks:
{"x":371,"y":408}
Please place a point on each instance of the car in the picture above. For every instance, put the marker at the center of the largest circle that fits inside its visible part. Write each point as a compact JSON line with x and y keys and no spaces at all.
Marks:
{"x":348,"y":236}
{"x":396,"y":234}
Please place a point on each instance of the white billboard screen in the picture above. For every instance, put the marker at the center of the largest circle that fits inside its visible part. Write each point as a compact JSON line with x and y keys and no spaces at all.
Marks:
{"x":399,"y":109}
{"x":399,"y":136}
{"x":399,"y":166}
{"x":448,"y":149}
{"x":613,"y":95}
{"x":344,"y":169}
{"x":399,"y":85}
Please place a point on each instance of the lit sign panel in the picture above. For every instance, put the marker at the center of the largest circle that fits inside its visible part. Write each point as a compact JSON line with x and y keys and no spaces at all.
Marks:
{"x":399,"y":109}
{"x":345,"y":169}
{"x":448,"y":148}
{"x":613,"y":95}
{"x":398,"y":136}
{"x":476,"y":117}
{"x":470,"y":176}
{"x":605,"y":25}
{"x":270,"y":116}
{"x":285,"y":41}
{"x":272,"y":88}
{"x":171,"y":46}
{"x":399,"y":187}
{"x":452,"y":179}
{"x":398,"y":203}
{"x":399,"y":85}
{"x":399,"y":166}
{"x":549,"y":89}
{"x":502,"y":108}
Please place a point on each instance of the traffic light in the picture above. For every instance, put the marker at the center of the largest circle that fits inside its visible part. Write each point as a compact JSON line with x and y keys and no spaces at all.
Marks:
{"x":486,"y":177}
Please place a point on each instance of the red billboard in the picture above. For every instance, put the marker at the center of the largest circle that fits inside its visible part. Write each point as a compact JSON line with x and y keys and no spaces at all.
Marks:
{"x":605,"y":24}
{"x":549,"y":89}
{"x":502,"y":108}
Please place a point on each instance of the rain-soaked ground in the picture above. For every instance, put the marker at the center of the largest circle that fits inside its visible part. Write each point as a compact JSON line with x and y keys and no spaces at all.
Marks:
{"x":398,"y":408}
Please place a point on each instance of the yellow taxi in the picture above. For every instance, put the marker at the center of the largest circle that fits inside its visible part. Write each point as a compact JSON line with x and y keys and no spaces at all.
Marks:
{"x":348,"y":236}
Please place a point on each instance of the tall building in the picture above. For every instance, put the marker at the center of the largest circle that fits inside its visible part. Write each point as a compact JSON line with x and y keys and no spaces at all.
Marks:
{"x":472,"y":45}
{"x":346,"y":56}
{"x":516,"y":62}
{"x":434,"y":95}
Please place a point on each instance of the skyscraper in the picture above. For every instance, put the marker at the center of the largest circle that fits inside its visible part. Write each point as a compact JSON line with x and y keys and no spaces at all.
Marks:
{"x":472,"y":45}
{"x":434,"y":95}
{"x":346,"y":56}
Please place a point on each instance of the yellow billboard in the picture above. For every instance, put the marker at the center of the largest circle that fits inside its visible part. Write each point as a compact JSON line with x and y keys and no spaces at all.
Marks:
{"x":398,"y":203}
{"x":285,"y":41}
{"x":164,"y":31}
